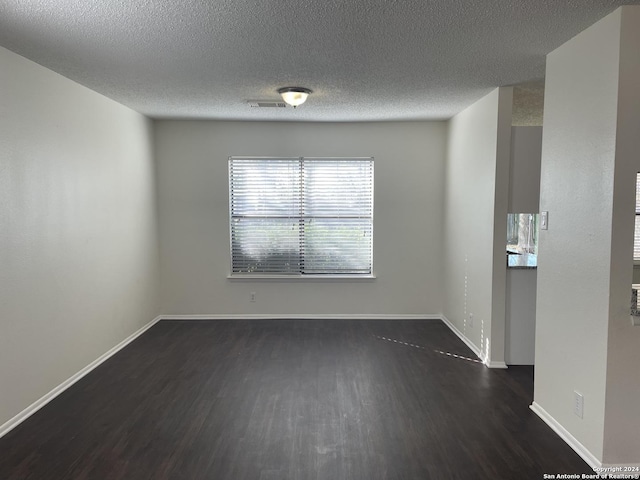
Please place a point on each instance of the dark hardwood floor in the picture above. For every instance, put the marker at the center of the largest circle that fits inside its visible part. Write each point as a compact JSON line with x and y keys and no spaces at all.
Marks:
{"x":291,"y":400}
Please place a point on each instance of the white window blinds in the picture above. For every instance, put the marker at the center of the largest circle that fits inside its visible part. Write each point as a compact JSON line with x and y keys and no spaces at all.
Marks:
{"x":636,"y":237}
{"x":301,"y":216}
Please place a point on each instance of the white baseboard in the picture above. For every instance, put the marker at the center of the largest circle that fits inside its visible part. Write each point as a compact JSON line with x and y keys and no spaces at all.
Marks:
{"x":474,"y":348}
{"x":580,"y":449}
{"x":564,"y":434}
{"x":494,"y":364}
{"x":303,"y":316}
{"x":41,"y":402}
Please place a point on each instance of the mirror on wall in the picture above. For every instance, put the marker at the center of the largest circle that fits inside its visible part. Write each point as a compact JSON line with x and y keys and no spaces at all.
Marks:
{"x":522,"y":240}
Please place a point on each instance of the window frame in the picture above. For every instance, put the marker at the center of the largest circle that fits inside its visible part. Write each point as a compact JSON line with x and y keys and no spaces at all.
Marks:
{"x":636,"y":240}
{"x":299,"y":276}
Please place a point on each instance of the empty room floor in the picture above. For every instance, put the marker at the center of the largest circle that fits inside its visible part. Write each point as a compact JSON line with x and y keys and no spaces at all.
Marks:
{"x":291,"y":400}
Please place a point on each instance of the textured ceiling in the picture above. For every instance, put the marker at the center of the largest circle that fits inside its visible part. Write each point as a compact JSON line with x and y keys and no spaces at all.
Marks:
{"x":364,"y":59}
{"x":528,"y":104}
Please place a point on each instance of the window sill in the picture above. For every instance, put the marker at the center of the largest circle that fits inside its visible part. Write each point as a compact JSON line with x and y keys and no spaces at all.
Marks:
{"x":301,"y":278}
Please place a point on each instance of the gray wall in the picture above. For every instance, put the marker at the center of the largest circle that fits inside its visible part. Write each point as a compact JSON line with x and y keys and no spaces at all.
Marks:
{"x":477,"y":176}
{"x":78,"y":249}
{"x":584,"y":338}
{"x":524,"y":170}
{"x":520,"y":324}
{"x":193,"y":201}
{"x":524,"y":197}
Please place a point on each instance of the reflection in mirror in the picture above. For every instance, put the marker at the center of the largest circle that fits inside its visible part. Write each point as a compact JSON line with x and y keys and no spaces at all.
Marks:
{"x":522,"y":240}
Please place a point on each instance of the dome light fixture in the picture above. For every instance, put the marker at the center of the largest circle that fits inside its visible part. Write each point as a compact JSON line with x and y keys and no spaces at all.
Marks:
{"x":294,"y":96}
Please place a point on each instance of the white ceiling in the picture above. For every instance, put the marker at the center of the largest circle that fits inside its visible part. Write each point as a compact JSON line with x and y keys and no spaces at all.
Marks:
{"x":364,"y":59}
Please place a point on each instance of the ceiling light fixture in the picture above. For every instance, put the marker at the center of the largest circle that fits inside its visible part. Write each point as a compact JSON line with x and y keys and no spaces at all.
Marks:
{"x":294,"y":96}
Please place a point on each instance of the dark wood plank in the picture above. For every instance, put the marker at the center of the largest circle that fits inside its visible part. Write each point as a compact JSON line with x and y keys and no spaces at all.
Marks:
{"x":291,"y":399}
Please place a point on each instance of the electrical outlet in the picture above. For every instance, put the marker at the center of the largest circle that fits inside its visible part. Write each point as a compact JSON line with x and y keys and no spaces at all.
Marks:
{"x":578,"y":404}
{"x":253,"y":296}
{"x":471,"y":319}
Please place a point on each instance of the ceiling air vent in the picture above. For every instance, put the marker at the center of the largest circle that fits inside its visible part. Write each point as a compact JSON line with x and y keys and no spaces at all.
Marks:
{"x":266,"y":104}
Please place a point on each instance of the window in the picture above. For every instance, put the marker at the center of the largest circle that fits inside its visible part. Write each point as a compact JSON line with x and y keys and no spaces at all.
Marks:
{"x":301,"y":216}
{"x":636,"y":236}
